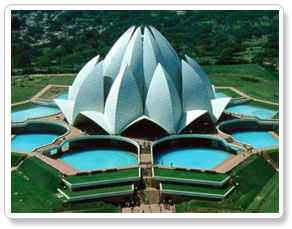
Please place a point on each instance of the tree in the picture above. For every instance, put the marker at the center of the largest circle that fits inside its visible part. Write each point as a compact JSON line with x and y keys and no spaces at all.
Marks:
{"x":226,"y":56}
{"x":15,"y":24}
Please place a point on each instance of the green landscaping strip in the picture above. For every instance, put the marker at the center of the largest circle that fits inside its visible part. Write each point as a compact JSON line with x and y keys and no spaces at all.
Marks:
{"x":53,"y":91}
{"x":89,"y":192}
{"x":196,"y":189}
{"x":264,"y":105}
{"x":15,"y":158}
{"x":252,"y":175}
{"x":193,"y":175}
{"x":23,"y":106}
{"x":125,"y":173}
{"x":228,"y":92}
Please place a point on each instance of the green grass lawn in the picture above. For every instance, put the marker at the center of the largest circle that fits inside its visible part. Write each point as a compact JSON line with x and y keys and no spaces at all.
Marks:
{"x":125,"y":173}
{"x":268,"y":199}
{"x":249,"y":78}
{"x":276,"y":116}
{"x":34,"y":187}
{"x":16,"y":158}
{"x":53,"y":91}
{"x":34,"y":190}
{"x":172,"y":173}
{"x":228,"y":92}
{"x":274,"y":154}
{"x":28,"y":87}
{"x":253,"y":176}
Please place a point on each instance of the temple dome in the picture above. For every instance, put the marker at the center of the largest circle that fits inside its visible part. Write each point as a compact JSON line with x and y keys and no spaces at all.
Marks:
{"x":141,"y":77}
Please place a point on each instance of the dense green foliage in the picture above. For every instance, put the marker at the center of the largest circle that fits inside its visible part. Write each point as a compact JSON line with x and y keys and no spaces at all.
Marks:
{"x":63,"y":41}
{"x":253,"y":176}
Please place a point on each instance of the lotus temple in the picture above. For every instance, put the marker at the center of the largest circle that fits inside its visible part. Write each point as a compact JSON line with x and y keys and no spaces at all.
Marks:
{"x":141,"y":126}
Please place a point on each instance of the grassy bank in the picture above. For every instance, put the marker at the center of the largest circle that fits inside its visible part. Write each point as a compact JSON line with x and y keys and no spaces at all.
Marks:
{"x":253,"y":176}
{"x":34,"y":190}
{"x":228,"y":92}
{"x":274,"y":154}
{"x":264,"y":105}
{"x":34,"y":187}
{"x":16,"y":158}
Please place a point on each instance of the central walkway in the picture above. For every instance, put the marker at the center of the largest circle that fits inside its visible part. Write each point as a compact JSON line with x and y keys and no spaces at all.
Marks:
{"x":147,"y":198}
{"x":149,"y":208}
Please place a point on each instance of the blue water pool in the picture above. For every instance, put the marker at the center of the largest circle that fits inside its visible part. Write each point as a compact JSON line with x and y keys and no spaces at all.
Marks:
{"x":35,"y":112}
{"x":250,"y":110}
{"x":258,"y":139}
{"x":62,"y":96}
{"x":220,"y":95}
{"x":99,"y":159}
{"x":29,"y":141}
{"x":200,"y":157}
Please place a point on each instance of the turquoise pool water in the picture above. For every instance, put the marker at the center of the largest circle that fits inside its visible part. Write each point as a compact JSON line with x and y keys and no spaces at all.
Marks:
{"x":199,"y":157}
{"x":62,"y":96}
{"x":250,"y":110}
{"x":258,"y":139}
{"x":29,"y":141}
{"x":35,"y":112}
{"x":219,"y":95}
{"x":99,"y":159}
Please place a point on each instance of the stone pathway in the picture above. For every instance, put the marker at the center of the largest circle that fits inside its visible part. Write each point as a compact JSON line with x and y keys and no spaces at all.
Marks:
{"x":231,"y":162}
{"x":58,"y":164}
{"x":150,"y":208}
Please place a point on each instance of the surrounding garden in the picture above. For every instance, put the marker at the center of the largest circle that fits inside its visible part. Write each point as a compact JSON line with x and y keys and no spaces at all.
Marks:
{"x":253,"y":177}
{"x":34,"y":190}
{"x":232,"y":49}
